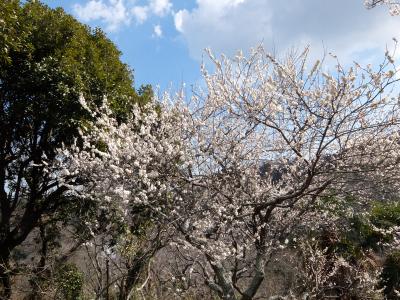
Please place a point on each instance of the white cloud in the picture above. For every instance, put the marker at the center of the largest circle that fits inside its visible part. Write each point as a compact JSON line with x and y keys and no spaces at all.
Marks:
{"x":157,"y":31}
{"x":140,"y":13}
{"x":154,"y":7}
{"x":342,"y":26}
{"x":160,"y":7}
{"x":113,"y":13}
{"x":179,"y":19}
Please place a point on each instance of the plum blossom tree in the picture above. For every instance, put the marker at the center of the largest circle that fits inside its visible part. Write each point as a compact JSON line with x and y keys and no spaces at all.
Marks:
{"x":394,"y":5}
{"x":248,"y":162}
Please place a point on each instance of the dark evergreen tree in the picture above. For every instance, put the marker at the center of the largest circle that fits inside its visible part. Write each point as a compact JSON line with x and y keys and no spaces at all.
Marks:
{"x":47,"y":60}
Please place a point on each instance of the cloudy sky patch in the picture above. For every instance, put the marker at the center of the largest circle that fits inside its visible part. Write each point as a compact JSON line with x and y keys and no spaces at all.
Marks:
{"x":343,"y":27}
{"x":157,"y":31}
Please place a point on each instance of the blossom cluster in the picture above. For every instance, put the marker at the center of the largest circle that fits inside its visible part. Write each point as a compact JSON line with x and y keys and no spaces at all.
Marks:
{"x":394,"y":5}
{"x":245,"y":163}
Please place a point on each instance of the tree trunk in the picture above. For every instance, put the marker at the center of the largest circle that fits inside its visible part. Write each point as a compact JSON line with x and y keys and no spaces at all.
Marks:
{"x":132,"y":278}
{"x":223,"y":284}
{"x":257,"y":279}
{"x":5,"y":276}
{"x":107,"y":279}
{"x":39,"y":275}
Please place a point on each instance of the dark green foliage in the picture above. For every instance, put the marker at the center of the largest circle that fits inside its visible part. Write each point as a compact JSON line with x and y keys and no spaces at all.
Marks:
{"x":385,"y":215}
{"x":10,"y":30}
{"x":382,"y":216}
{"x":391,"y":275}
{"x":361,"y":232}
{"x":69,"y":282}
{"x":359,"y":236}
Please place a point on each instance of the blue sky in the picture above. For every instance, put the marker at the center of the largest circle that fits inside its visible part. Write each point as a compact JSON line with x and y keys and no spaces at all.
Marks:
{"x":163,"y":40}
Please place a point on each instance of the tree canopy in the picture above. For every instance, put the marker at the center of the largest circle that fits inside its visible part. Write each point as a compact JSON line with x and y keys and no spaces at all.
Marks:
{"x":275,"y":166}
{"x":47,"y":61}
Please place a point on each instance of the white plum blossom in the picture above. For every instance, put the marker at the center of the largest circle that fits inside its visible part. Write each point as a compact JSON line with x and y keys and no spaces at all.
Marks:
{"x":239,"y":168}
{"x":394,"y":5}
